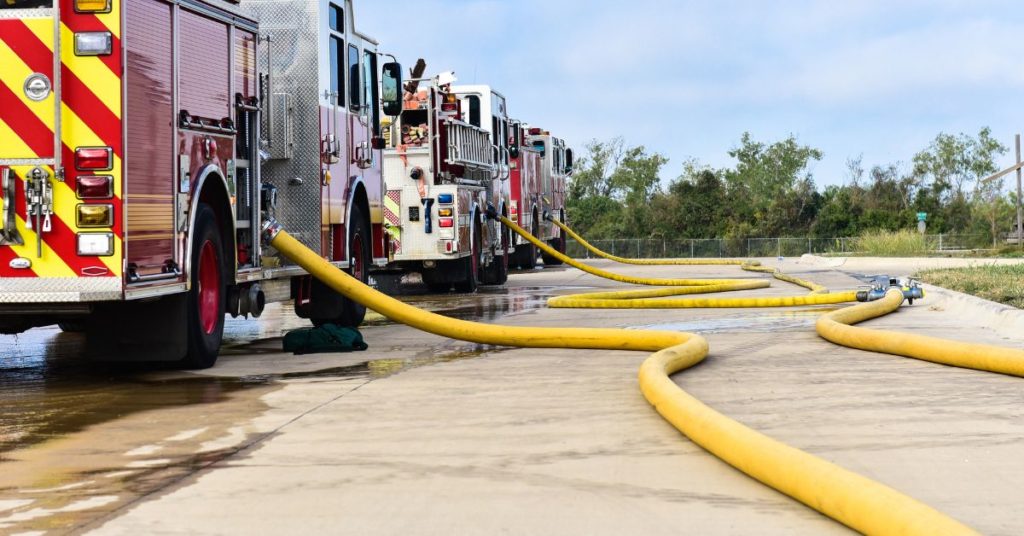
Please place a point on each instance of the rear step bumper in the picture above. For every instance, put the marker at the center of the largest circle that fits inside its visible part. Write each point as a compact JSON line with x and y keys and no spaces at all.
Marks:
{"x":24,"y":290}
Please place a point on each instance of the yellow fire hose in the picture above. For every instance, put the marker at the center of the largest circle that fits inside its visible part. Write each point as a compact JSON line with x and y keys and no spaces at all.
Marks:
{"x":835,"y":327}
{"x":855,"y":501}
{"x":642,"y":299}
{"x":646,"y":262}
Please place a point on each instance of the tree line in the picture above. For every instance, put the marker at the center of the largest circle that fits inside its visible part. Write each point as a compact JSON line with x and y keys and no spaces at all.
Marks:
{"x":769,"y":191}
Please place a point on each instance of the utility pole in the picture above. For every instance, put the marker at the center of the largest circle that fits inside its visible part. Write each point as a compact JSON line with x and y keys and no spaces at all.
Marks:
{"x":1020,"y":214}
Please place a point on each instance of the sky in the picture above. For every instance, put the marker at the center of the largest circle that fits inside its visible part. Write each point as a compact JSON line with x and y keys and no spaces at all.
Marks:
{"x":686,"y":78}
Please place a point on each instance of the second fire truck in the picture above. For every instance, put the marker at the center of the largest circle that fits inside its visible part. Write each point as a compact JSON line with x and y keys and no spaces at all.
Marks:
{"x":447,"y":162}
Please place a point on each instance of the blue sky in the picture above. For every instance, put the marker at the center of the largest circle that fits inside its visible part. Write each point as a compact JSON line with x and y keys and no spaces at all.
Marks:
{"x":687,"y":78}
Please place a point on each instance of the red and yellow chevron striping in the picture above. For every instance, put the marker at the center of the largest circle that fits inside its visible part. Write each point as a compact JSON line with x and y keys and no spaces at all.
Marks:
{"x":90,"y":116}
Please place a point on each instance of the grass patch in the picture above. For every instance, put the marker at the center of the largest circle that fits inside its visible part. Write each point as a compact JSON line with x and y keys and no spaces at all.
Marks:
{"x":892,"y":244}
{"x":1002,"y":284}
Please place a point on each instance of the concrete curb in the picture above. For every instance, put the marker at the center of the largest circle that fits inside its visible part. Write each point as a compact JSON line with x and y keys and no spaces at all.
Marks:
{"x":1003,"y":319}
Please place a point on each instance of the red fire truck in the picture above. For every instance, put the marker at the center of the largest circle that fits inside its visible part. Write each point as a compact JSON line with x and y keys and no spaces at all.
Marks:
{"x":442,"y":169}
{"x":541,"y":164}
{"x":556,"y":167}
{"x":143,"y":143}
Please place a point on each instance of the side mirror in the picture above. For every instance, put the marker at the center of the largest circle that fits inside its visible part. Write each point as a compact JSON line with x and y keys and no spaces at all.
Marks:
{"x":378,"y":143}
{"x":391,"y":85}
{"x":568,"y":162}
{"x":513,"y":151}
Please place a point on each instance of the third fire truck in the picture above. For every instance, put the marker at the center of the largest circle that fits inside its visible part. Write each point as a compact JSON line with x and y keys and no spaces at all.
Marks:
{"x":541,"y":163}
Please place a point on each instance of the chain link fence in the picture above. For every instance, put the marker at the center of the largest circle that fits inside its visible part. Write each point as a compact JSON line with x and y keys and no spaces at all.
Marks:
{"x":651,"y":248}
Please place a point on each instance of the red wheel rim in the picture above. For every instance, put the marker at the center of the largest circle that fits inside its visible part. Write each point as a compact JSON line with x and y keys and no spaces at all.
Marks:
{"x":358,"y":261}
{"x":209,"y":288}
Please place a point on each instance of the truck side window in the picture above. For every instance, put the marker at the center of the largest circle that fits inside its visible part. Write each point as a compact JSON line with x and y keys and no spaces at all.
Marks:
{"x":355,"y":88}
{"x":474,"y":110}
{"x":338,"y":68}
{"x":337,"y":19}
{"x":371,"y":93}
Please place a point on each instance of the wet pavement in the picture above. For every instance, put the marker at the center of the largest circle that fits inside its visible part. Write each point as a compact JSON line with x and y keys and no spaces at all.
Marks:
{"x":63,"y":461}
{"x":426,"y":435}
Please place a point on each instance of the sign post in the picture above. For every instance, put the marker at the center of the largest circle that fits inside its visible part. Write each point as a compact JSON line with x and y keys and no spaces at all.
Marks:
{"x":922,"y":222}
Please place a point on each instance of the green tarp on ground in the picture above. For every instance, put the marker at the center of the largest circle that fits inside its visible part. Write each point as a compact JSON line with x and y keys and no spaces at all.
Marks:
{"x":328,"y":338}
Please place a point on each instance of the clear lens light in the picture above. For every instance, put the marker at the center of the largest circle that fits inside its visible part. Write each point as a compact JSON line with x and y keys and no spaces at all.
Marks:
{"x":93,"y":43}
{"x":96,"y":244}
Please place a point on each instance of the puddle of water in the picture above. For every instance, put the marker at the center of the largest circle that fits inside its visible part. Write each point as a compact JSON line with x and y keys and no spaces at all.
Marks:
{"x":798,"y":320}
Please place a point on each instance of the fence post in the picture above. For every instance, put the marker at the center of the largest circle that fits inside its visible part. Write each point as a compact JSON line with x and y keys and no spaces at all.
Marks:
{"x":691,"y":248}
{"x":664,"y":249}
{"x":778,"y":244}
{"x":940,"y":242}
{"x":810,"y":250}
{"x":638,"y":248}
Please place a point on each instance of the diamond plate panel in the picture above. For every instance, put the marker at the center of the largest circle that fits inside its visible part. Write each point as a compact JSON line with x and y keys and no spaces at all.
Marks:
{"x":60,"y":290}
{"x":294,"y":26}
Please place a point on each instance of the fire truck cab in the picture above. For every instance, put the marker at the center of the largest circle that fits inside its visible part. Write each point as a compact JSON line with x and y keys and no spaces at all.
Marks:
{"x":144,"y":143}
{"x":442,"y":169}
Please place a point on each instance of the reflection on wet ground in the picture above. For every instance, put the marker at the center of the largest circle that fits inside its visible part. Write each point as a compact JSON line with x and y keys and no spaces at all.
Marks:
{"x":767,"y":321}
{"x":79,"y":439}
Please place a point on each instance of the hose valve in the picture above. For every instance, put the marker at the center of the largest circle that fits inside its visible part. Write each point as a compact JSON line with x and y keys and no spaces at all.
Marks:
{"x":491,"y":212}
{"x":270,"y":229}
{"x":882,"y":284}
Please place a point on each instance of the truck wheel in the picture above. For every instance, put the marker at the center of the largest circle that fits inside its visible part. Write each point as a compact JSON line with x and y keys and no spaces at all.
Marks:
{"x":501,"y":263}
{"x":558,"y":244}
{"x":72,"y":326}
{"x":360,"y":258}
{"x":528,"y":253}
{"x":471,"y":265}
{"x":206,"y":298}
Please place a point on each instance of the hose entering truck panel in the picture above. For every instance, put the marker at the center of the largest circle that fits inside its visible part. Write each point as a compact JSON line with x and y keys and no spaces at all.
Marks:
{"x":858,"y":502}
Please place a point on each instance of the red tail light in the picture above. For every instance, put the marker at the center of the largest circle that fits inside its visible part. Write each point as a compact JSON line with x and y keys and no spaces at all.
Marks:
{"x":95,"y":187}
{"x":94,"y":159}
{"x":446,"y":223}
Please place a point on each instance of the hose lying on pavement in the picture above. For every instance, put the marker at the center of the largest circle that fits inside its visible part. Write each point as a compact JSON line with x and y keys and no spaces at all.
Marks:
{"x":643,"y":299}
{"x":646,"y":262}
{"x":835,"y":327}
{"x":860,"y":503}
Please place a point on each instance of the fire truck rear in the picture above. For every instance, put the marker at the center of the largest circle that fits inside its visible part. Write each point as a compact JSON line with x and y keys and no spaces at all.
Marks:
{"x":144,"y":143}
{"x":442,"y":170}
{"x":556,"y":166}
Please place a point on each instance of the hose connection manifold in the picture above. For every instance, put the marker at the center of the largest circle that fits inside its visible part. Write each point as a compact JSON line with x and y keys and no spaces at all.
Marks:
{"x":882,"y":284}
{"x":491,"y":212}
{"x":270,"y":229}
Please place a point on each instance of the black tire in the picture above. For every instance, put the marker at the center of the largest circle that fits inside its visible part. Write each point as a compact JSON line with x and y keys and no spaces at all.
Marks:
{"x":72,"y":326}
{"x":360,"y":242}
{"x":471,"y":265}
{"x":558,"y":244}
{"x":528,"y":259}
{"x":502,"y":262}
{"x":497,"y":272}
{"x":207,"y":298}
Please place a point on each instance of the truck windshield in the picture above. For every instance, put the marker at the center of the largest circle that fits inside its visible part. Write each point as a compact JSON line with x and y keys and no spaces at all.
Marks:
{"x":25,"y":4}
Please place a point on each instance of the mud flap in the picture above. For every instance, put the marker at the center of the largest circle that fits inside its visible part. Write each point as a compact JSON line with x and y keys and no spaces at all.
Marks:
{"x":144,"y":331}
